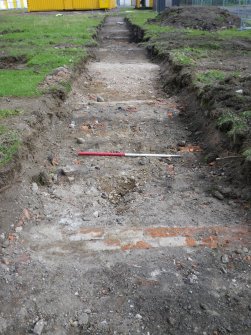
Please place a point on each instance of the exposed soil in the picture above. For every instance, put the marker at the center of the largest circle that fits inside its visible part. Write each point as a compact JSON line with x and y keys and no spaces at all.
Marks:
{"x":204,"y":104}
{"x":12,"y":62}
{"x":10,"y":31}
{"x":100,"y":245}
{"x":204,"y":18}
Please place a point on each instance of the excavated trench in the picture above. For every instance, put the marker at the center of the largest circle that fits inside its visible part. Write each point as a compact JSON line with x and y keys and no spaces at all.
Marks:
{"x":107,"y":245}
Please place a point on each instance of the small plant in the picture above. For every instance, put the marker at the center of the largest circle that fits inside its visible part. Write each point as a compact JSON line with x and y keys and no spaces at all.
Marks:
{"x":235,"y":124}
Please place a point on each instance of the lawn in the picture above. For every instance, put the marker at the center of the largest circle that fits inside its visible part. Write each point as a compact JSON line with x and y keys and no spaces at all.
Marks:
{"x":33,"y":45}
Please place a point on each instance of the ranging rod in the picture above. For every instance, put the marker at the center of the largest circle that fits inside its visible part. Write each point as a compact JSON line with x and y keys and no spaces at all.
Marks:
{"x":125,"y":154}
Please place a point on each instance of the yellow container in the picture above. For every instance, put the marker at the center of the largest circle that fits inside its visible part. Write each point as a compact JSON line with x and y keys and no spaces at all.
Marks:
{"x":45,"y":5}
{"x":50,"y":5}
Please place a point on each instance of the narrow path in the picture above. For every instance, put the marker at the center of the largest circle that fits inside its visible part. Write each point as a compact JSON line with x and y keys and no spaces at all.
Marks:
{"x":127,"y":245}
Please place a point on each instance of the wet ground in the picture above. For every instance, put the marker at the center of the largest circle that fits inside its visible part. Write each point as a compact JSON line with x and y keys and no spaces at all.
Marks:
{"x":102,"y":245}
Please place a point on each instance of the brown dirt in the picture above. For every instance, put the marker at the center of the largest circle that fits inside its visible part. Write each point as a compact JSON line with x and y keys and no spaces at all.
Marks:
{"x":12,"y":62}
{"x":204,"y":18}
{"x":10,"y":31}
{"x":204,"y":104}
{"x":120,"y":246}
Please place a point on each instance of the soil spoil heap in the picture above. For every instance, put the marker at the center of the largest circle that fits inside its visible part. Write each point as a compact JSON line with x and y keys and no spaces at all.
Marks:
{"x":203,"y":18}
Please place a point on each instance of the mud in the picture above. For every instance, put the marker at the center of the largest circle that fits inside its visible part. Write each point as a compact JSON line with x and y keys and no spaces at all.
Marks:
{"x":204,"y":18}
{"x":121,"y":245}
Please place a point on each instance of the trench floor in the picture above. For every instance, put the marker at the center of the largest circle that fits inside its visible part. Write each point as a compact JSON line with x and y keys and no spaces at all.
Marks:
{"x":124,"y":245}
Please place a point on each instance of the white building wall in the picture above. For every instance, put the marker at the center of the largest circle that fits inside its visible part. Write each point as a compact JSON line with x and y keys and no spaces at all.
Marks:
{"x":125,"y":3}
{"x":12,"y":4}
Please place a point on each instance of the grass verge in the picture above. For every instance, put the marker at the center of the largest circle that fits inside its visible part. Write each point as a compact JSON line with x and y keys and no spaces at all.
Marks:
{"x":34,"y":45}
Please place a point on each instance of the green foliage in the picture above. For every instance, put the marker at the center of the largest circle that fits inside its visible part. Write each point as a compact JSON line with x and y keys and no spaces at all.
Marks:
{"x":47,"y":42}
{"x":9,"y":145}
{"x":235,"y":124}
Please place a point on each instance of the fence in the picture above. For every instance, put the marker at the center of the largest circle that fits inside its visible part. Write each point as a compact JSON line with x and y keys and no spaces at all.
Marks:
{"x":12,"y":4}
{"x":244,"y":12}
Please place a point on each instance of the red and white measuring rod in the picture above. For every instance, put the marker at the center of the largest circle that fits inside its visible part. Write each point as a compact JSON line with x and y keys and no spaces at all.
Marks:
{"x":124,"y":154}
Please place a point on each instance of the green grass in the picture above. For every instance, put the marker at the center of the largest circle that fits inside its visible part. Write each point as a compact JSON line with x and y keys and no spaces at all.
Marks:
{"x":181,"y":57}
{"x":9,"y":145}
{"x":140,"y":17}
{"x":188,"y":55}
{"x":233,"y":33}
{"x":47,"y":42}
{"x":220,"y":34}
{"x":210,"y":77}
{"x":4,"y":113}
{"x":20,"y":83}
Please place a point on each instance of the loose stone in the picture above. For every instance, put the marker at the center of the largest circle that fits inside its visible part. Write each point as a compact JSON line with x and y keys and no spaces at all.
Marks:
{"x":39,"y":326}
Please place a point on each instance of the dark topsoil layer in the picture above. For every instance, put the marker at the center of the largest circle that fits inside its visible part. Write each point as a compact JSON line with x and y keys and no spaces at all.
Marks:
{"x":204,"y":18}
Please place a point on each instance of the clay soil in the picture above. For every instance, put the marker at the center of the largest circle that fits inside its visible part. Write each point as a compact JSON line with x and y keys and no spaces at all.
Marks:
{"x":99,"y":245}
